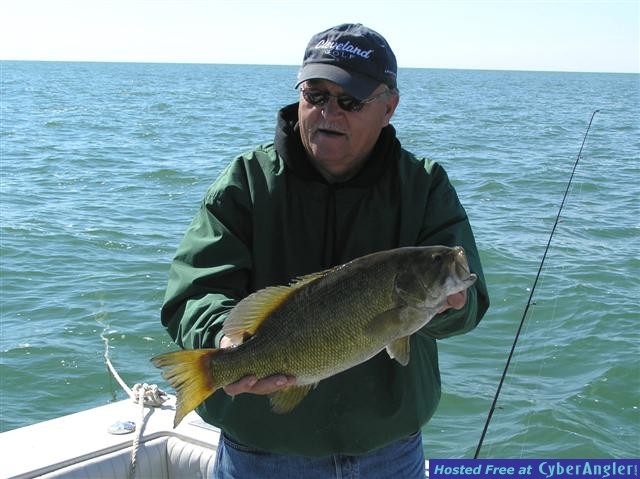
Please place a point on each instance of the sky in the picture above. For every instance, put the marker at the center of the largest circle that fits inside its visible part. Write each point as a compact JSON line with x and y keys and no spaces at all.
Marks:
{"x":547,"y":35}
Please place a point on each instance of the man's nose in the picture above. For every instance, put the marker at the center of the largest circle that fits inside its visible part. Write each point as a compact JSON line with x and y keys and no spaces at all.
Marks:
{"x":331,"y":107}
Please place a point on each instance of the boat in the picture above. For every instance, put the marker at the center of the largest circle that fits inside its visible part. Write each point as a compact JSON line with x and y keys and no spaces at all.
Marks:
{"x":117,"y":440}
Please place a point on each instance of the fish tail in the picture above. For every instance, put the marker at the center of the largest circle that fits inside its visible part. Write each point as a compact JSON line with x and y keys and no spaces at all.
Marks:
{"x":189,"y":373}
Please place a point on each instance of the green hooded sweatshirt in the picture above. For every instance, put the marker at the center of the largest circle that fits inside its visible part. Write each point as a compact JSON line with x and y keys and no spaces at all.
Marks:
{"x":271,"y":217}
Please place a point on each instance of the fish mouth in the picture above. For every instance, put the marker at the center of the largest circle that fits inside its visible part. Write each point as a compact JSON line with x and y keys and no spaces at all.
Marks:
{"x":461,"y":268}
{"x":461,"y":264}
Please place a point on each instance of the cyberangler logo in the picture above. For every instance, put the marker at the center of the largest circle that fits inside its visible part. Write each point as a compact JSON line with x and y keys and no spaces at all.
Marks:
{"x":342,"y":50}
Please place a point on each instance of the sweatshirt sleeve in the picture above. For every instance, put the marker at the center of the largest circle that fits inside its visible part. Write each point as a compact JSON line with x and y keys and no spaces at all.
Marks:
{"x":445,"y":222}
{"x":210,"y":272}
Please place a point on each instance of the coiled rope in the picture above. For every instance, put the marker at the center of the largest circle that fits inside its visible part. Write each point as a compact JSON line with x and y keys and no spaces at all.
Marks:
{"x":145,"y":395}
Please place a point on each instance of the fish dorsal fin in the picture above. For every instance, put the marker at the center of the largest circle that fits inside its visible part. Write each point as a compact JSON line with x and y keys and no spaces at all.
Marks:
{"x":247,"y":316}
{"x":310,"y":278}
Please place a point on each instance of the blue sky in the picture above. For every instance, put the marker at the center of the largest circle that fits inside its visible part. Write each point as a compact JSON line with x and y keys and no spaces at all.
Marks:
{"x":559,"y":35}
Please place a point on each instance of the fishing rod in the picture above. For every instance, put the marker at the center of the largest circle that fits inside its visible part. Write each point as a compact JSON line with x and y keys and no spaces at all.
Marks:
{"x":533,"y":288}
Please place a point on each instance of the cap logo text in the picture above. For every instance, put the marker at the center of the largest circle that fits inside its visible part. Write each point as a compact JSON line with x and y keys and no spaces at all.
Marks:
{"x":341,"y":48}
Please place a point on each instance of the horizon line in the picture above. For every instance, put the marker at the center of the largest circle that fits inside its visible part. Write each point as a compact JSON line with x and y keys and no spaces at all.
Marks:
{"x":152,"y":62}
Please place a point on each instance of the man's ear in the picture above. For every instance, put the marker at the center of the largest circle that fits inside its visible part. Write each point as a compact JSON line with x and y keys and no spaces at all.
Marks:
{"x":391,"y":105}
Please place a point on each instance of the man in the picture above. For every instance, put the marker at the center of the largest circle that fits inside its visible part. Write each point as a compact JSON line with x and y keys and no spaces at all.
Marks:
{"x":333,"y":186}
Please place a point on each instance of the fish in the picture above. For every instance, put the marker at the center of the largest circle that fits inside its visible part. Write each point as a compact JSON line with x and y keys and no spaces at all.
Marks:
{"x":322,"y":324}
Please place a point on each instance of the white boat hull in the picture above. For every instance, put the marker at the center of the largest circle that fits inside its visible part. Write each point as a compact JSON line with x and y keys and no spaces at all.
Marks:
{"x":80,"y":446}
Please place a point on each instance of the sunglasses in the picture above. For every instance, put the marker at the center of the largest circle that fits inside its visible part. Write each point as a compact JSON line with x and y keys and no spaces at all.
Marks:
{"x":346,"y":102}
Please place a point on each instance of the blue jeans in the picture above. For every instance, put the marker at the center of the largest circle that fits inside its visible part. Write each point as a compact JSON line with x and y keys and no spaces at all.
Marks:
{"x":401,"y":459}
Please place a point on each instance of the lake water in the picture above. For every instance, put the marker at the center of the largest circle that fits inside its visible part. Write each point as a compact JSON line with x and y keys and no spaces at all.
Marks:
{"x":103,"y":166}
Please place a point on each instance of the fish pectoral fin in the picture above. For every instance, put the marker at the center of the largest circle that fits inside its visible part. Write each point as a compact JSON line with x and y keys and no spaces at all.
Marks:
{"x":399,"y":350}
{"x":384,"y":324}
{"x":286,"y":399}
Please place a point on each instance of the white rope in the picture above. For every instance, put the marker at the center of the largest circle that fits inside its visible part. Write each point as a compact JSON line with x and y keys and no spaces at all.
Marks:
{"x":135,"y":445}
{"x":151,"y":395}
{"x":146,"y":395}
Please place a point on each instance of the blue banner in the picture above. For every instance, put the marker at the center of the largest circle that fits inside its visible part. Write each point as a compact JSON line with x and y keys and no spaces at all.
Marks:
{"x":533,"y":468}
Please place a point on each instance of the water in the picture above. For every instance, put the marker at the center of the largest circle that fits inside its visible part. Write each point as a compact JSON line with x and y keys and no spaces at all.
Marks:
{"x":104,"y":165}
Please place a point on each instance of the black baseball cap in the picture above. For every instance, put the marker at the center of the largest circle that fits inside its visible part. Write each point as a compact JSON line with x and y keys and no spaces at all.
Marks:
{"x":352,"y":56}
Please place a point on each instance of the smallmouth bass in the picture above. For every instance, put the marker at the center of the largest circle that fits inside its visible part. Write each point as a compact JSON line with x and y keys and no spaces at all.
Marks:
{"x":322,"y":324}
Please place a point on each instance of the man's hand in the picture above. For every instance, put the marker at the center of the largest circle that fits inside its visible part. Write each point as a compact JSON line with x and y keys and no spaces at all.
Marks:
{"x":251,"y":384}
{"x":455,"y":301}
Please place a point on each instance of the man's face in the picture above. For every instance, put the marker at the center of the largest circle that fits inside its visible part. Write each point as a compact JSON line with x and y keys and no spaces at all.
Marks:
{"x":338,"y":141}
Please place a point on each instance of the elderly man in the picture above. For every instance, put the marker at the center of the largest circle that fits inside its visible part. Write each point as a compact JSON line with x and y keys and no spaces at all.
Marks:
{"x":333,"y":186}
